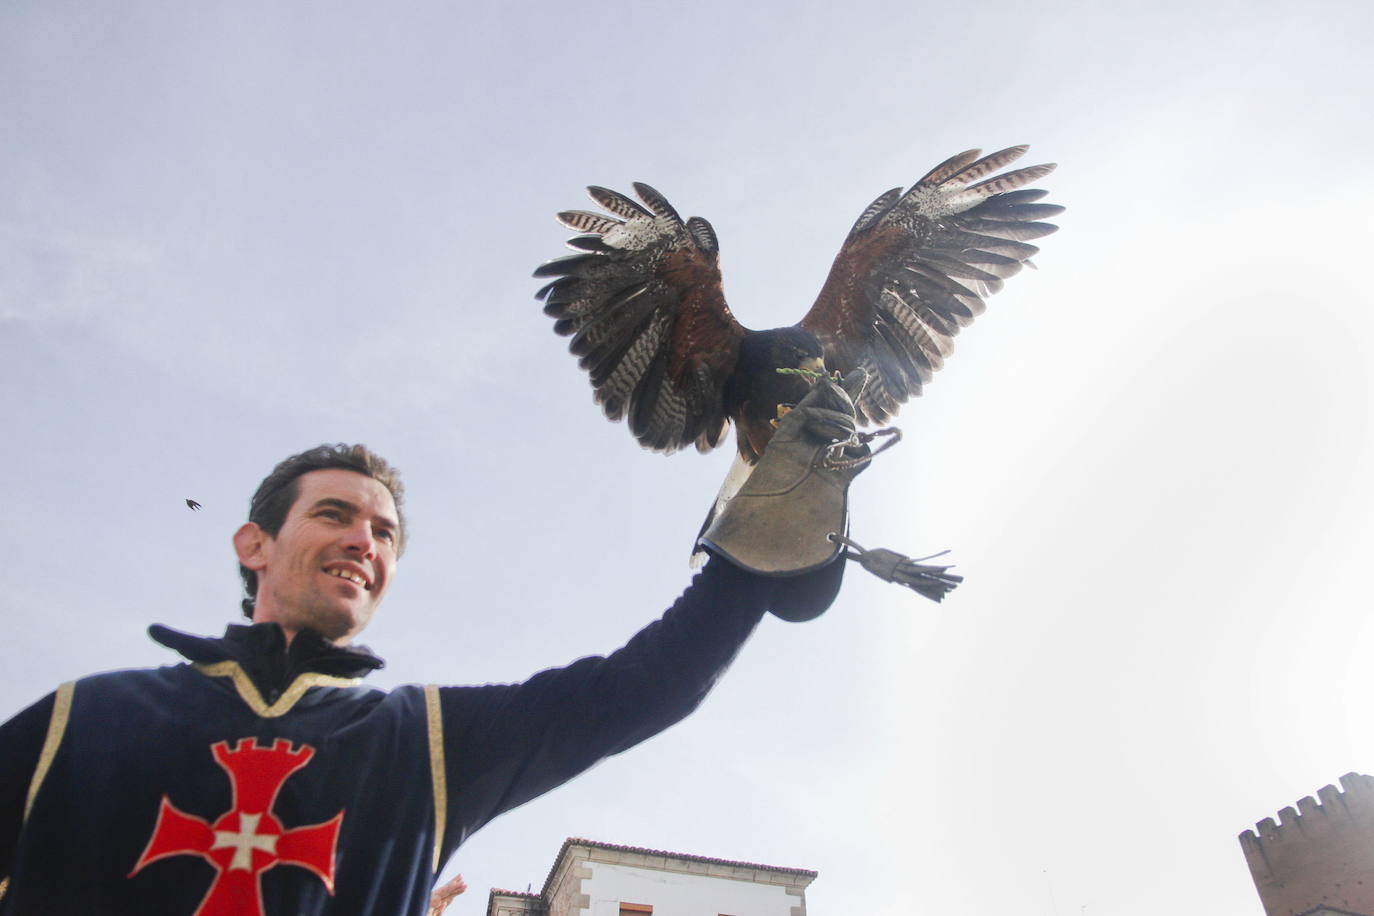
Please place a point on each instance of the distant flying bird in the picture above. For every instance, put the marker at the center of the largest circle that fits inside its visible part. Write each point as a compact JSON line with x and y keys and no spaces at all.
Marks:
{"x":645,"y":308}
{"x":193,"y":505}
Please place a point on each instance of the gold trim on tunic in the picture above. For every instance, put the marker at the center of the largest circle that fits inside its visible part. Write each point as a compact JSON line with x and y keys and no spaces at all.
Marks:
{"x":249,"y":693}
{"x":57,"y":727}
{"x":434,"y":716}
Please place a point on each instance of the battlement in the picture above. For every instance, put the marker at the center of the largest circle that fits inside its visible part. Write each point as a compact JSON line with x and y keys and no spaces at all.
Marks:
{"x":1320,"y":853}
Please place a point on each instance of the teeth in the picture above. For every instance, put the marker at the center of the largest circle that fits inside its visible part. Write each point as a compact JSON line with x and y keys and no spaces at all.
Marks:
{"x":350,"y":576}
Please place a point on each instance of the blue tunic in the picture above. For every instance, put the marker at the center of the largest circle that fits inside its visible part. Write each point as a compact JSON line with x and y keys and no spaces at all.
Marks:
{"x":240,"y":782}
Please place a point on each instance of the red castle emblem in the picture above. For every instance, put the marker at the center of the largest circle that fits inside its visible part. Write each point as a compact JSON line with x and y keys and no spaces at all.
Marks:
{"x":248,"y":839}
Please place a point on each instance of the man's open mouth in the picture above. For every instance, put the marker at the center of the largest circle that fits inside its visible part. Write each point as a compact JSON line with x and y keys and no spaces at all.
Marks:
{"x":356,"y":578}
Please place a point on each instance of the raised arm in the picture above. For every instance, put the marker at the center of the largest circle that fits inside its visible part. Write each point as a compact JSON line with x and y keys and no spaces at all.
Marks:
{"x":505,"y":745}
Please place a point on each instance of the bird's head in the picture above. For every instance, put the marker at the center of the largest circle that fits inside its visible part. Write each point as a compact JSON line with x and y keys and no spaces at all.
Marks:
{"x":792,"y":348}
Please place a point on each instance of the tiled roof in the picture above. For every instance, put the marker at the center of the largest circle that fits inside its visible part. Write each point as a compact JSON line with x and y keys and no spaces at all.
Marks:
{"x":498,"y":892}
{"x":597,"y":844}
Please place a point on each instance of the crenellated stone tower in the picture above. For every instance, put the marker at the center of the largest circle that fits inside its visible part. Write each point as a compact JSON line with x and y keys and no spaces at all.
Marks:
{"x":1320,"y":858}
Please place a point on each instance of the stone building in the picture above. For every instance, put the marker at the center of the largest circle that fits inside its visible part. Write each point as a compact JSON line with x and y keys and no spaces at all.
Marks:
{"x":1318,"y":860}
{"x":600,"y":879}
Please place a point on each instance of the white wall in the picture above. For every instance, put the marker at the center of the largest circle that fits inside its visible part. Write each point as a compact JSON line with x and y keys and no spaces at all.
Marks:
{"x":672,"y":894}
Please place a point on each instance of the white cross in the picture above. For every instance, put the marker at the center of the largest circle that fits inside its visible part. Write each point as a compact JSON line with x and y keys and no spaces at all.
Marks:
{"x":245,"y":841}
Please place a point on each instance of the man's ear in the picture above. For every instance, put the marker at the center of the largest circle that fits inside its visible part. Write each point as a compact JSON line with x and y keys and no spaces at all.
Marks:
{"x":250,"y":543}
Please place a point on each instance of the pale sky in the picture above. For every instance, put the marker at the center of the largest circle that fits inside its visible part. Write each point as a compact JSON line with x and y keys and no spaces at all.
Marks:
{"x":229,"y":232}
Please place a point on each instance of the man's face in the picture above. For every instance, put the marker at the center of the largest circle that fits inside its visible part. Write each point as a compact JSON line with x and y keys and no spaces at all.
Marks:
{"x":332,"y":560}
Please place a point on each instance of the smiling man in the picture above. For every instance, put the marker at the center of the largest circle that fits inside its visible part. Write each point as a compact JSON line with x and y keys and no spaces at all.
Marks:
{"x":259,"y":776}
{"x":327,"y":564}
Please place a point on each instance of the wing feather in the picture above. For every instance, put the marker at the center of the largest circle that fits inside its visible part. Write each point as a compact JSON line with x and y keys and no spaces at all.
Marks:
{"x":885,"y":348}
{"x":588,"y":243}
{"x":704,"y":235}
{"x":913,"y":337}
{"x":989,"y":164}
{"x":1021,"y":232}
{"x":643,"y":305}
{"x":876,"y":209}
{"x":623,"y":375}
{"x":1009,"y":181}
{"x":623,"y":311}
{"x":566,"y":265}
{"x":657,"y":203}
{"x":617,"y":203}
{"x":949,"y":168}
{"x":583,"y":221}
{"x":918,"y":265}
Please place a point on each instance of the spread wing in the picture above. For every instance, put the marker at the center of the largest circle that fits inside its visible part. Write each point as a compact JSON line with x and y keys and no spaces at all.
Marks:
{"x":916,"y":268}
{"x":643,"y":304}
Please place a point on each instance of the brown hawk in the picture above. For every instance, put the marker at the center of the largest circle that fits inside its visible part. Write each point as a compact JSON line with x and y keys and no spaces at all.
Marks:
{"x":644,"y":306}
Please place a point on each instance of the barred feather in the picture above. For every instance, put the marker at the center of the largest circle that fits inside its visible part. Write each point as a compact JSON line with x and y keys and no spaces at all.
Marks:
{"x":1009,"y":181}
{"x":918,"y":268}
{"x":885,"y":350}
{"x":926,"y":345}
{"x":657,"y":411}
{"x":876,"y":402}
{"x":583,"y":221}
{"x":703,"y":233}
{"x":950,"y":166}
{"x":958,"y":268}
{"x":617,"y":203}
{"x":657,"y":202}
{"x":876,"y":209}
{"x":619,"y":384}
{"x":953,"y":239}
{"x":619,"y":314}
{"x":988,"y":164}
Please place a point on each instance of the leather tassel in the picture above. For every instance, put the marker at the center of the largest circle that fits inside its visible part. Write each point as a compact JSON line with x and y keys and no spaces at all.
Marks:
{"x":934,"y":582}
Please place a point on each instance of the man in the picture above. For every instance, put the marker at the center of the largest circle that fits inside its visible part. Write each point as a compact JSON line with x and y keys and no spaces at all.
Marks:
{"x":258,"y":777}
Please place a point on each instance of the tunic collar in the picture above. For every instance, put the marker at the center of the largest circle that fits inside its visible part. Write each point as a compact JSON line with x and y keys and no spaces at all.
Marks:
{"x":262,"y":651}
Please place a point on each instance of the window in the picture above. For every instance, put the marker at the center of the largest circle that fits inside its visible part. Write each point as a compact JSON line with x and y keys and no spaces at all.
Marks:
{"x":635,"y":909}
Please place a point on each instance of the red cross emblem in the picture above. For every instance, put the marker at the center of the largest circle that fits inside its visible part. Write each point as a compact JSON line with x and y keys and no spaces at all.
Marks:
{"x":248,"y":839}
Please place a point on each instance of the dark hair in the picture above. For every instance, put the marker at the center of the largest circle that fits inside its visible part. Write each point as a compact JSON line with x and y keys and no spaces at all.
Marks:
{"x":278,"y":491}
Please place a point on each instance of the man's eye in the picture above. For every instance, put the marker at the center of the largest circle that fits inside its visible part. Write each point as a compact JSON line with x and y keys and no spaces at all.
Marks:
{"x":386,"y":534}
{"x":331,"y":513}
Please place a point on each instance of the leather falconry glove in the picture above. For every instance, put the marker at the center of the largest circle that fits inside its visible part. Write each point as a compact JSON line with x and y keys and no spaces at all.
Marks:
{"x":791,"y":516}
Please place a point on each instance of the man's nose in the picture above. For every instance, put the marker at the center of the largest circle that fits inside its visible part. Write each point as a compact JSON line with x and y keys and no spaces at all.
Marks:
{"x":359,"y":539}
